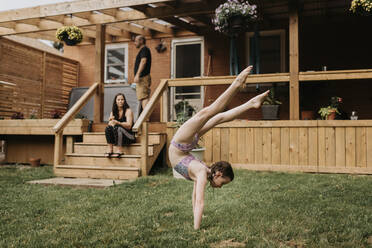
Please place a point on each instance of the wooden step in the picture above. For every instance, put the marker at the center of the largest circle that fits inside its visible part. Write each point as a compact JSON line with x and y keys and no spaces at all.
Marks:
{"x":99,"y":137}
{"x":89,"y":171}
{"x":100,"y":148}
{"x":100,"y":160}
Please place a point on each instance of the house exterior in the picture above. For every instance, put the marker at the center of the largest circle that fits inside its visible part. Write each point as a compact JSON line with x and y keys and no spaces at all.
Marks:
{"x":309,"y":50}
{"x":330,"y":37}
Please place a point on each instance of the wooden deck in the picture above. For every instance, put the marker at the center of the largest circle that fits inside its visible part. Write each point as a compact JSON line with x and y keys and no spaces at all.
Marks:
{"x":35,"y":138}
{"x":341,"y":146}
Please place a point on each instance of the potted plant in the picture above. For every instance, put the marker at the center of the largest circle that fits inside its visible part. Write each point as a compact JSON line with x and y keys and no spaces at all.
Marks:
{"x":71,"y":35}
{"x":56,"y":114}
{"x":361,"y":7}
{"x":17,"y":115}
{"x":35,"y":162}
{"x":234,"y":16}
{"x":329,"y":112}
{"x":270,"y":106}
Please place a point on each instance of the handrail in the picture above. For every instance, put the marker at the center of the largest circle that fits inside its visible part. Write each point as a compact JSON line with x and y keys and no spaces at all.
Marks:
{"x":150,"y":105}
{"x":7,"y":83}
{"x":223,"y":80}
{"x":76,"y":108}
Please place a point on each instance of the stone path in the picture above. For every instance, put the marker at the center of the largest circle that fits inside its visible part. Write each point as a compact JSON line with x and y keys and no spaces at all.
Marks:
{"x":79,"y":182}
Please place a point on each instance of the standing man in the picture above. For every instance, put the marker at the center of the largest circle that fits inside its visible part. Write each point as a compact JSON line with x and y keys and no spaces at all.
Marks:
{"x":142,"y":69}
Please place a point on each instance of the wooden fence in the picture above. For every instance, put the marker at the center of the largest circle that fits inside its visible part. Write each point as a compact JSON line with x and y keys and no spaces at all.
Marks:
{"x":42,"y":80}
{"x":341,"y":146}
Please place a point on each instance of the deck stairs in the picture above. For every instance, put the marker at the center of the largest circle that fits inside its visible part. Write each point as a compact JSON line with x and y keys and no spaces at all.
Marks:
{"x":86,"y":159}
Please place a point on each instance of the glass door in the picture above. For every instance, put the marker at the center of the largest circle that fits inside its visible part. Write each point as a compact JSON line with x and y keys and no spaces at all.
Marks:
{"x":187,"y":62}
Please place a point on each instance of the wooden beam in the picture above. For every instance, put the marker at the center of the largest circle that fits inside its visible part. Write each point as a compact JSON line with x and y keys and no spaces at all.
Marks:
{"x":335,"y":75}
{"x":121,"y":16}
{"x":155,"y":26}
{"x":170,"y":19}
{"x":133,"y":29}
{"x":144,"y":149}
{"x":223,"y":80}
{"x":70,"y":8}
{"x":58,"y":146}
{"x":42,"y":87}
{"x":294,"y":106}
{"x":179,"y":23}
{"x":99,"y":73}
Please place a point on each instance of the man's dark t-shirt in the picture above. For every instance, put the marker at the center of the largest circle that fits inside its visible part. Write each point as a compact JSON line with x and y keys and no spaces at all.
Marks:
{"x":143,"y":53}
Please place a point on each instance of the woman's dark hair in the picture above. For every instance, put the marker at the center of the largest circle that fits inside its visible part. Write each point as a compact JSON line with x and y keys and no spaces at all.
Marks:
{"x":115,"y":109}
{"x":223,"y":167}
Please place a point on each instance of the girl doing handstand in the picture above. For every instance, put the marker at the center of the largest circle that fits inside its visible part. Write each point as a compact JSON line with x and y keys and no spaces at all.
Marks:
{"x":186,"y":137}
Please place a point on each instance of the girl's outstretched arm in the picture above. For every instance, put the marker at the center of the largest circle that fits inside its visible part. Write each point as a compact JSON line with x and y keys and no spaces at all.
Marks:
{"x":200,"y":184}
{"x":193,"y":198}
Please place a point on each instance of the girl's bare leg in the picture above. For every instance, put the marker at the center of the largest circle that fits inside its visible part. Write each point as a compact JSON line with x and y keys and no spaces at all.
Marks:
{"x":232,"y":114}
{"x":187,"y":131}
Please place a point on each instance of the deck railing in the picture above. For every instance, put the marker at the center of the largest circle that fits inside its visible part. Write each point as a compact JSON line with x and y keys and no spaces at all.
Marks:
{"x":58,"y":128}
{"x":161,"y":93}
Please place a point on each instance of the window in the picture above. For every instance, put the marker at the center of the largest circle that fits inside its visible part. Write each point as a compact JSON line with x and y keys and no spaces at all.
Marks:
{"x":269,"y":55}
{"x":116,"y":63}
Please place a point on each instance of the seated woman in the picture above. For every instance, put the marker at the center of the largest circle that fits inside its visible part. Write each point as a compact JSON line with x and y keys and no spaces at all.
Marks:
{"x":119,"y":130}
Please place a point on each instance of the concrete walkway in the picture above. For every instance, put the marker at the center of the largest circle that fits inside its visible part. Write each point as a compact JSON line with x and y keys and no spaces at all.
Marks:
{"x":79,"y":182}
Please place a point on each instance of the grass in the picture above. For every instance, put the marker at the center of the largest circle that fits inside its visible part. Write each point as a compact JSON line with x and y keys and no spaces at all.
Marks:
{"x":257,"y":210}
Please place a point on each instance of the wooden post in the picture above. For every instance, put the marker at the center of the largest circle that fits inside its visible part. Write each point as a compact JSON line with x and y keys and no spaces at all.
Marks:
{"x":69,"y":144}
{"x":42,"y":100}
{"x":144,"y":149}
{"x":294,"y":109}
{"x":164,"y":106}
{"x":99,"y":73}
{"x":58,"y":143}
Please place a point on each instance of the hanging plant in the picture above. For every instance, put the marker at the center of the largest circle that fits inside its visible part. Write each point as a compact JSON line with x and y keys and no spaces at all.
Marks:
{"x":71,"y":35}
{"x":362,"y":7}
{"x":234,"y":16}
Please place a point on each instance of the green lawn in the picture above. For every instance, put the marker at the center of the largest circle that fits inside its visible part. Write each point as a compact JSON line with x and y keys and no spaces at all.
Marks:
{"x":256,"y":210}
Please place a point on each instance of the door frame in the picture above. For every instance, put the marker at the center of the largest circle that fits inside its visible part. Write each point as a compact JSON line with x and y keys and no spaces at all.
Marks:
{"x":185,"y":41}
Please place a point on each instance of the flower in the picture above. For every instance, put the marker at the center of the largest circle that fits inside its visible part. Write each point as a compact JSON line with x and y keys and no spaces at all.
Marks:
{"x":69,"y":33}
{"x":360,"y":6}
{"x":335,"y":101}
{"x":230,"y":9}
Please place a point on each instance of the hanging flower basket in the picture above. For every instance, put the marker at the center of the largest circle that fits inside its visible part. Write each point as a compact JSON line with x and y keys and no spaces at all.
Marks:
{"x":71,"y":35}
{"x":361,"y":7}
{"x":234,"y":16}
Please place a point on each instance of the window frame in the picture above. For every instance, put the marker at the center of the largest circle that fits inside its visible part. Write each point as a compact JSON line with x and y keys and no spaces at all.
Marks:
{"x":115,"y":46}
{"x":185,"y":41}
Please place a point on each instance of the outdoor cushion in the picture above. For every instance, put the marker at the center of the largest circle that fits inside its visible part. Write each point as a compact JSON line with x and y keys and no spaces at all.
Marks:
{"x":110,"y":92}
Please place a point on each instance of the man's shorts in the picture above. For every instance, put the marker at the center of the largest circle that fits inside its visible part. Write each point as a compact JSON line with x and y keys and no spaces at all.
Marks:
{"x":143,"y":87}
